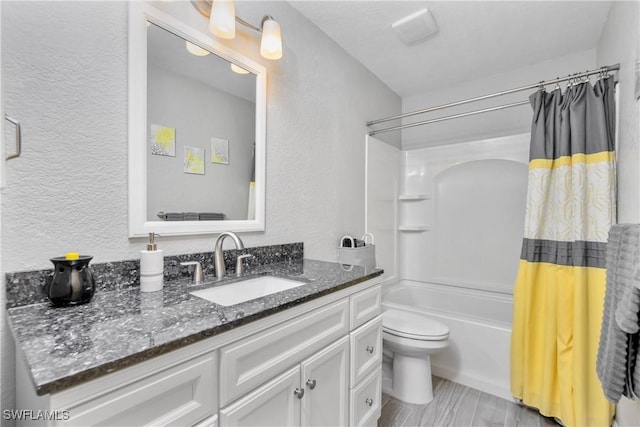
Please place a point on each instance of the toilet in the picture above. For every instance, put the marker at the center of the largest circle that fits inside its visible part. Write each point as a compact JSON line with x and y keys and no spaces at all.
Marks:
{"x":411,"y":338}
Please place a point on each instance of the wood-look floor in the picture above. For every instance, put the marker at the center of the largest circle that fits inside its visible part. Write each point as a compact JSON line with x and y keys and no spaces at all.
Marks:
{"x":455,"y":405}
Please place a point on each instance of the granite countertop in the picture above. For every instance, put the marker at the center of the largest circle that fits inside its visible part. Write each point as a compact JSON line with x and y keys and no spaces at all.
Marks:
{"x":64,"y":347}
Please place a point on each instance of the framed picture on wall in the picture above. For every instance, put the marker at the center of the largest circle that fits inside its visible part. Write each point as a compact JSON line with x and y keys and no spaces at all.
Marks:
{"x":219,"y":150}
{"x":163,"y":140}
{"x":194,"y":160}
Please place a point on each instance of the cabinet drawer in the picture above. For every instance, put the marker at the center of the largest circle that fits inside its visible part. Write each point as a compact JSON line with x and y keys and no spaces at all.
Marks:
{"x":365,"y":400}
{"x":253,"y":360}
{"x":366,"y":349}
{"x":365,"y":306}
{"x":181,"y":395}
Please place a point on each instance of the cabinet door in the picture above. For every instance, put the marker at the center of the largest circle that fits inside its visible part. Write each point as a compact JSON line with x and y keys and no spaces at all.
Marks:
{"x":274,"y":404}
{"x":325,"y":378}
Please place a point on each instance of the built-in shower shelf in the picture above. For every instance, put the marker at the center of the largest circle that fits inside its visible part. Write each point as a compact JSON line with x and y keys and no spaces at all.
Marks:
{"x":414,"y":197}
{"x":413,"y":227}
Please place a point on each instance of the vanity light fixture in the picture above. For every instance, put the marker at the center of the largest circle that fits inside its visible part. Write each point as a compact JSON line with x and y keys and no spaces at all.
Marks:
{"x":237,"y":69}
{"x":222,"y":19}
{"x":195,"y":49}
{"x":271,"y":43}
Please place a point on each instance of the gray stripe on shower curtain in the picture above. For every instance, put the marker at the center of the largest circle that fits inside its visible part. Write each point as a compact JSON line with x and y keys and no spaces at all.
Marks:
{"x":578,"y":253}
{"x":564,"y":138}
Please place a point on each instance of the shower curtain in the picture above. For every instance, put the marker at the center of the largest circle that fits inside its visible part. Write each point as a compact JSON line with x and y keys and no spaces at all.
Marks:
{"x":251,"y":206}
{"x":559,"y":291}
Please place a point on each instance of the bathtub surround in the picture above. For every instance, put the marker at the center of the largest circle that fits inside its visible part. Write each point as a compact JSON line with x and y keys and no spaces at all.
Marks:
{"x":382,"y":190}
{"x":476,"y":304}
{"x":27,"y":287}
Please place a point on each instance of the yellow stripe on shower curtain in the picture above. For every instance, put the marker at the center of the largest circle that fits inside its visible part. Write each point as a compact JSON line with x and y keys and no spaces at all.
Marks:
{"x":604,"y":156}
{"x":572,"y":391}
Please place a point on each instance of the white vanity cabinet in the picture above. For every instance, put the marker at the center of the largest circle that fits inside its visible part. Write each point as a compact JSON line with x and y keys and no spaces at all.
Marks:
{"x":315,"y":364}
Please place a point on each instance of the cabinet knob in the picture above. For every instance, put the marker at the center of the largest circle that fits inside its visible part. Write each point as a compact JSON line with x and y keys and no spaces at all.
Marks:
{"x":369,"y":349}
{"x":369,"y":401}
{"x":311,"y":384}
{"x":299,"y":392}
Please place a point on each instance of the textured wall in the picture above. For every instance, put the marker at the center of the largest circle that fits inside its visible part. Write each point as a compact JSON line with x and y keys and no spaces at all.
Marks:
{"x":620,"y":42}
{"x":7,"y":371}
{"x":65,"y":75}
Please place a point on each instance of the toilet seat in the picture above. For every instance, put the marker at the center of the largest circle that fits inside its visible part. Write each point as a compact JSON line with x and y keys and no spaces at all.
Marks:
{"x":413,"y":326}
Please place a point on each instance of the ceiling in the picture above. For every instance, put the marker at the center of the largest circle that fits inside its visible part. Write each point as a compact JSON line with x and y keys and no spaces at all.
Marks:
{"x":475,"y":39}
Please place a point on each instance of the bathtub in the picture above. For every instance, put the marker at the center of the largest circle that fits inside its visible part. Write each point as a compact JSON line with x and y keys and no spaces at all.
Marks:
{"x":480,"y":329}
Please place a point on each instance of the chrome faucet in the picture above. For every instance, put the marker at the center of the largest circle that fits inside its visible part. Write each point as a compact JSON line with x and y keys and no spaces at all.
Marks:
{"x":221,"y":271}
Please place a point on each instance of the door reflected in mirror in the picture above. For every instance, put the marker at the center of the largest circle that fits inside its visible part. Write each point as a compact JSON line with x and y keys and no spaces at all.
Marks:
{"x":201,"y":130}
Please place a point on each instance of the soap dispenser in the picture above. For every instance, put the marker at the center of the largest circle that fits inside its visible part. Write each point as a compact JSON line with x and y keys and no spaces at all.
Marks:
{"x":151,"y":267}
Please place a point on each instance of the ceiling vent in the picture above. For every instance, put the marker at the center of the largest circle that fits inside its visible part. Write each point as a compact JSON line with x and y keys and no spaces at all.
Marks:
{"x":416,"y":27}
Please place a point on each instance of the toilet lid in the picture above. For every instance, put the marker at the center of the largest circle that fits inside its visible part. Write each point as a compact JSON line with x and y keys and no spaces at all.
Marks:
{"x":413,"y":325}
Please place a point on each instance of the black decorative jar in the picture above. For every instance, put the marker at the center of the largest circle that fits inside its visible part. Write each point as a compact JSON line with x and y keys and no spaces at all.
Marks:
{"x":72,"y":282}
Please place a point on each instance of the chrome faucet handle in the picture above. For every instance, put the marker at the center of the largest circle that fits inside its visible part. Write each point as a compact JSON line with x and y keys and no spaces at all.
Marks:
{"x":198,"y":276}
{"x":240,"y":265}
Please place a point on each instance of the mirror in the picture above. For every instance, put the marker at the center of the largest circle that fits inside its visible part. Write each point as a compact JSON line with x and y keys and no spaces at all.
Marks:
{"x":196,"y":131}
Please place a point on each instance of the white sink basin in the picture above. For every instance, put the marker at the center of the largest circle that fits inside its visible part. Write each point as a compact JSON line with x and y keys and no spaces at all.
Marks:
{"x":237,"y":292}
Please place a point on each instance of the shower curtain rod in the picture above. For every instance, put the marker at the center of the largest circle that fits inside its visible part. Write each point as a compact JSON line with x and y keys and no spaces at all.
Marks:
{"x":604,"y":69}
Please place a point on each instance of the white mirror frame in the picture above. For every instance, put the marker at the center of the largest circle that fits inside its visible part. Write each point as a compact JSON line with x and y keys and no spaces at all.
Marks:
{"x":139,"y":14}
